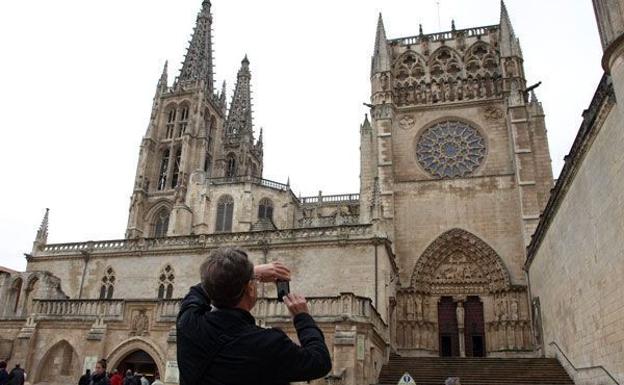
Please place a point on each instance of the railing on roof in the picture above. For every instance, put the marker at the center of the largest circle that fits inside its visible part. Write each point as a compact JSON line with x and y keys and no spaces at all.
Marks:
{"x":250,"y":179}
{"x":330,"y":199}
{"x":446,"y":35}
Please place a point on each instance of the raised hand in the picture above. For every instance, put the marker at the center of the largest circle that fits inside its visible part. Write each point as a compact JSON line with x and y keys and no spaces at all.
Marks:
{"x":296,"y":304}
{"x":272,"y":272}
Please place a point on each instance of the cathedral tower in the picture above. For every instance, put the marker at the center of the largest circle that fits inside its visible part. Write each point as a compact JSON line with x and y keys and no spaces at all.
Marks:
{"x":456,"y":171}
{"x":186,"y":134}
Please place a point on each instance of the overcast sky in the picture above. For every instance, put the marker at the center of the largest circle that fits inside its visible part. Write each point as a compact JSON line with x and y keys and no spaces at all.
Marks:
{"x":78,"y":77}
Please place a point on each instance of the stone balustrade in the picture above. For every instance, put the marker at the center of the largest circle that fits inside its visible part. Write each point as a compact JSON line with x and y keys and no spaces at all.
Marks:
{"x":340,"y":198}
{"x":244,"y":239}
{"x":443,"y":36}
{"x":346,"y":307}
{"x":88,"y":309}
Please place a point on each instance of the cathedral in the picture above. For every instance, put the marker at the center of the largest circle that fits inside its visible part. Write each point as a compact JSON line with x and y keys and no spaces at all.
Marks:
{"x":459,"y":245}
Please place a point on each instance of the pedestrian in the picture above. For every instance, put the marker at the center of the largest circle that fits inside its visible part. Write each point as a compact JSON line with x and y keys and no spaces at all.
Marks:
{"x":218,"y":341}
{"x":157,"y":380}
{"x":99,"y":377}
{"x":17,"y":376}
{"x":136,"y":378}
{"x":116,"y":378}
{"x":4,"y":376}
{"x":144,"y":380}
{"x":85,"y":378}
{"x":128,"y":379}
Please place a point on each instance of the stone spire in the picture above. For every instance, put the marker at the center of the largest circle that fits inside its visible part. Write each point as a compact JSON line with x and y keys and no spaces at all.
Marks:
{"x":197,"y":64}
{"x":509,"y":43}
{"x":163,"y":81}
{"x":381,"y":57}
{"x":239,"y":120}
{"x":42,"y":233}
{"x":223,"y":95}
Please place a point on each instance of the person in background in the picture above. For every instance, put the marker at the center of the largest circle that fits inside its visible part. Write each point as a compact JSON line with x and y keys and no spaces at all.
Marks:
{"x":85,"y":378}
{"x":144,"y":380}
{"x":129,"y":379}
{"x":17,"y":376}
{"x":99,"y":377}
{"x":116,"y":378}
{"x":137,"y":378}
{"x":4,"y":376}
{"x":157,"y":380}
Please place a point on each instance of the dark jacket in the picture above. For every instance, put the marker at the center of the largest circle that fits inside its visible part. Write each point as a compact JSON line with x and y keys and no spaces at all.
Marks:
{"x":225,"y":347}
{"x":99,"y":379}
{"x":4,"y":377}
{"x":84,"y":379}
{"x":16,"y":377}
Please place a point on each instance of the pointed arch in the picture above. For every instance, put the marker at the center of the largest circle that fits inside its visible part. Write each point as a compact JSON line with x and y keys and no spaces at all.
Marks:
{"x":60,"y":363}
{"x":445,"y":63}
{"x":16,"y":292}
{"x":409,"y":69}
{"x":459,"y":261}
{"x":131,"y":345}
{"x":225,"y":214}
{"x":155,"y":215}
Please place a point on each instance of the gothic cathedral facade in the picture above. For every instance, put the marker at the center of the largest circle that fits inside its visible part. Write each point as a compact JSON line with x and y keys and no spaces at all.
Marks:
{"x":425,"y":260}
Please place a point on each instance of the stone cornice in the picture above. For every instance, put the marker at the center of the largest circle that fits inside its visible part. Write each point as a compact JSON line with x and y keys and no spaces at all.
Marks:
{"x":593,"y":118}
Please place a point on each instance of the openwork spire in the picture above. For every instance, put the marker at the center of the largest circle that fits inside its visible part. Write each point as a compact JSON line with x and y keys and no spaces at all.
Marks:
{"x":42,"y":233}
{"x":239,"y":118}
{"x":509,"y":43}
{"x":381,"y":56}
{"x":198,"y":61}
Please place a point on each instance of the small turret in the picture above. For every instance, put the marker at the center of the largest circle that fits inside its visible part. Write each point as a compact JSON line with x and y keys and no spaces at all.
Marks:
{"x":239,"y":120}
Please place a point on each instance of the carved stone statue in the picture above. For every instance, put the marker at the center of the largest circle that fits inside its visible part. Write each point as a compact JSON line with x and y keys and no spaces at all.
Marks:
{"x":140,"y":324}
{"x":514,"y":310}
{"x":459,"y":312}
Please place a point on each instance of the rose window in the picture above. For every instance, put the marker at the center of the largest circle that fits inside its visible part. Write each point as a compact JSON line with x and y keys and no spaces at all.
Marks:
{"x":450,"y":149}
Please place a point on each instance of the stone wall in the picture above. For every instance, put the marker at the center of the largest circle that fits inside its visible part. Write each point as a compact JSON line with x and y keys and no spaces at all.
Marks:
{"x":576,"y":264}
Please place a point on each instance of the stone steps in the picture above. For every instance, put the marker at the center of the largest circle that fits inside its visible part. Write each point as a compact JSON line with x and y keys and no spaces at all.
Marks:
{"x":475,"y":371}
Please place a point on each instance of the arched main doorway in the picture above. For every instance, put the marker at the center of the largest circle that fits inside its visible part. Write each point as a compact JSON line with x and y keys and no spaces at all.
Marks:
{"x":139,"y":361}
{"x":443,"y":313}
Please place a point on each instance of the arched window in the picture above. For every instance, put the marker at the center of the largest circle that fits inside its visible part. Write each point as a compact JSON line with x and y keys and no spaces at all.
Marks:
{"x":265,"y":209}
{"x":184,"y":114}
{"x":161,"y":223}
{"x":230,"y":171}
{"x":208,"y":163}
{"x":108,"y":284}
{"x":165,"y":283}
{"x":164,"y":164}
{"x":176,"y":168}
{"x":17,"y":292}
{"x":171,"y":116}
{"x":225,"y":211}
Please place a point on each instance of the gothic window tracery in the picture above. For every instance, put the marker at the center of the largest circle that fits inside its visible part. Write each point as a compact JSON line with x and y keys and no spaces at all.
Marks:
{"x":164,"y":165}
{"x":170,"y":127}
{"x":265,"y":209}
{"x":450,"y":149}
{"x":108,"y":284}
{"x":165,"y":283}
{"x":410,"y":78}
{"x":183,"y":123}
{"x":176,"y":168}
{"x":161,"y":223}
{"x":231,"y":166}
{"x":225,"y":212}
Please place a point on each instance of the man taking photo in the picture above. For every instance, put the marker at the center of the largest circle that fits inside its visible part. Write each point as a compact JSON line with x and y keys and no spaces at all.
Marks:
{"x":218,"y":341}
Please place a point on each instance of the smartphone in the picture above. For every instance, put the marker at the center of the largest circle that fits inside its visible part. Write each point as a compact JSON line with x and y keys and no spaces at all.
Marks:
{"x":283,"y":289}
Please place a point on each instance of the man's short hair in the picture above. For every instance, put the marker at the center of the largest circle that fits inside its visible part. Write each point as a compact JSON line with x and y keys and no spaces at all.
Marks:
{"x":224,"y":276}
{"x":3,"y":364}
{"x":102,"y":363}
